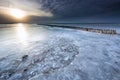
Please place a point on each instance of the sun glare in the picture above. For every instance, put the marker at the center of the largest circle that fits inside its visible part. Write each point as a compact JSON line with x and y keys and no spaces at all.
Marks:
{"x":17,"y":13}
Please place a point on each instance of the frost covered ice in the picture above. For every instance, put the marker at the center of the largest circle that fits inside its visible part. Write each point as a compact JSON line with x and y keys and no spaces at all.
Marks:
{"x":64,"y":55}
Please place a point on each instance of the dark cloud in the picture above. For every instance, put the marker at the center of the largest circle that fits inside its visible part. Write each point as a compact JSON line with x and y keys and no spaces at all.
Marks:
{"x":79,"y":8}
{"x":67,"y":9}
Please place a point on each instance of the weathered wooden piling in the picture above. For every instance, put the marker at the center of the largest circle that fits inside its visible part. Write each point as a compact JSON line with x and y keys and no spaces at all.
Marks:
{"x":102,"y":31}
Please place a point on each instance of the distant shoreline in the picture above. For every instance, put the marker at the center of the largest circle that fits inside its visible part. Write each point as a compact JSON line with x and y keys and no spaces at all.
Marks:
{"x":56,"y":23}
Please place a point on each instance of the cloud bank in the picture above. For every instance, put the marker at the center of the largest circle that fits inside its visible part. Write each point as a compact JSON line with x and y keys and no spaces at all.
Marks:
{"x":75,"y":8}
{"x":64,"y":9}
{"x":31,"y":7}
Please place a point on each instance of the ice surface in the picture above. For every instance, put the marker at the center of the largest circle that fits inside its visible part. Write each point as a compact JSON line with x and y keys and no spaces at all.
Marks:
{"x":58,"y":54}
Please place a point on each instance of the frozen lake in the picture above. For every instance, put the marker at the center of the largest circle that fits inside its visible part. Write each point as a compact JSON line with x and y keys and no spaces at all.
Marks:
{"x":18,"y":36}
{"x":57,"y":53}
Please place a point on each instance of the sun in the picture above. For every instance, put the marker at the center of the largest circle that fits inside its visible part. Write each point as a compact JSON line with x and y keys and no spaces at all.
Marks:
{"x":17,"y":13}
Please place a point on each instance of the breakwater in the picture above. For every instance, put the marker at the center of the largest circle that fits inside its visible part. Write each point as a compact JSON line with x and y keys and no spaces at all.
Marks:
{"x":102,"y":31}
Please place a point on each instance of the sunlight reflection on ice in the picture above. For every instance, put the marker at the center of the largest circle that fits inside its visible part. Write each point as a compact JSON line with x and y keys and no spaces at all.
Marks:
{"x":25,"y":34}
{"x":21,"y":33}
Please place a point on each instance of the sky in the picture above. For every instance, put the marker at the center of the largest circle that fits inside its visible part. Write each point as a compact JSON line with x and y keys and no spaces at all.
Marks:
{"x":63,"y":10}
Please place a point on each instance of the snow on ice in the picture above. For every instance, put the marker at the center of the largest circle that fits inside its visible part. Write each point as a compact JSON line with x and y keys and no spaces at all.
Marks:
{"x":64,"y":54}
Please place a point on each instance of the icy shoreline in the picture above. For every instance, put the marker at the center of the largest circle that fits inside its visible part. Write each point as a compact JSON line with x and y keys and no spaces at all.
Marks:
{"x":64,"y":55}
